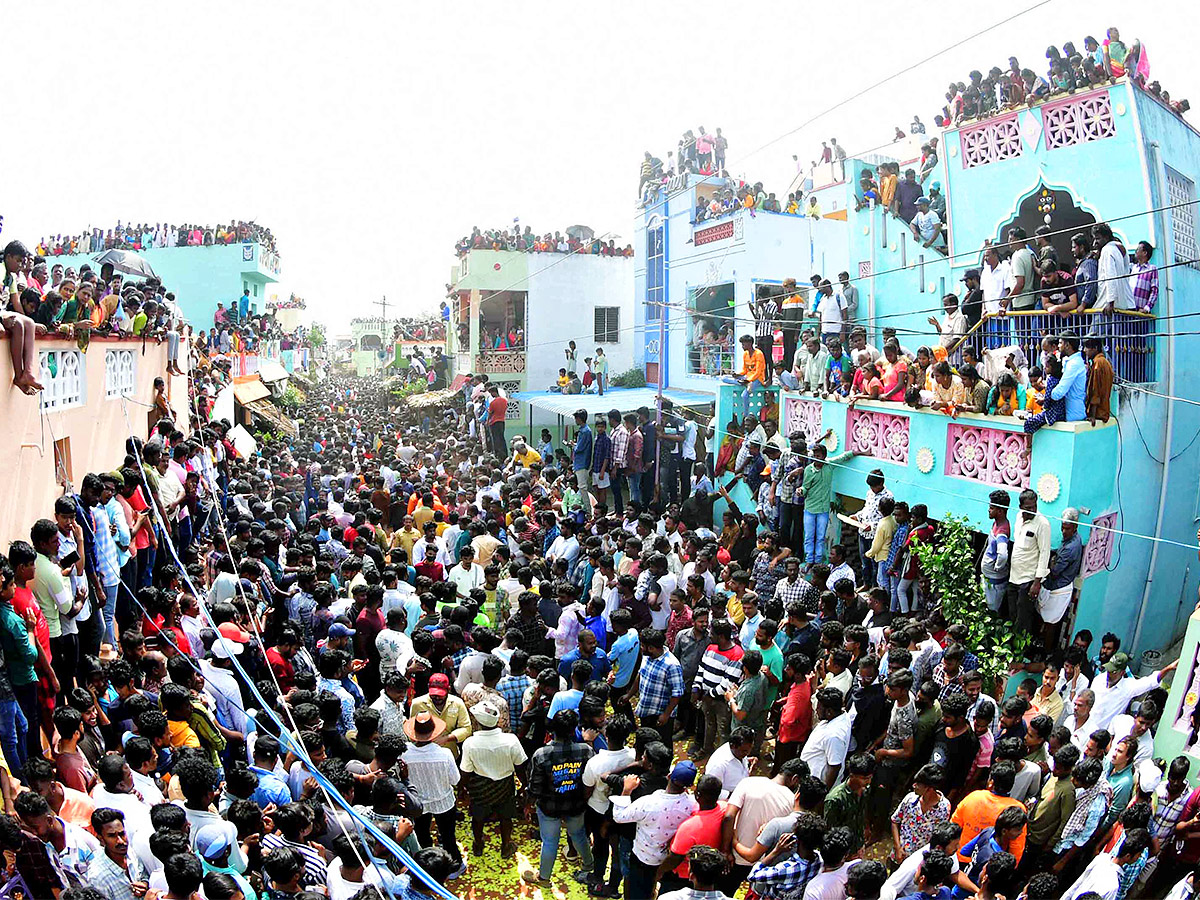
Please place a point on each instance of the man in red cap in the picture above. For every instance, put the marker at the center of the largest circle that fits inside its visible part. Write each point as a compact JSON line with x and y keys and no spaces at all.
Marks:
{"x":450,"y":711}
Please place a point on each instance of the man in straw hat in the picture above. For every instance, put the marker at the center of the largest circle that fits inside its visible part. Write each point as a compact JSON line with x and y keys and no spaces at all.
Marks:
{"x":489,"y":759}
{"x":433,"y":772}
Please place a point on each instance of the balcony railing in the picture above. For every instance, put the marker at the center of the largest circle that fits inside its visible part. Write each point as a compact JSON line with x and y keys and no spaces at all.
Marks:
{"x":500,"y":361}
{"x":710,"y":359}
{"x":950,"y":464}
{"x":1128,"y":336}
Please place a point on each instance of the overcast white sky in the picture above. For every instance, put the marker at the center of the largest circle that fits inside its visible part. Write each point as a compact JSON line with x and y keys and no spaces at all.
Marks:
{"x":369,"y":136}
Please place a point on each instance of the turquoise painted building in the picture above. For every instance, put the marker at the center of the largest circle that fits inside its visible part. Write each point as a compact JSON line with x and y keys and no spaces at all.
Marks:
{"x":202,"y":277}
{"x":1114,"y":154}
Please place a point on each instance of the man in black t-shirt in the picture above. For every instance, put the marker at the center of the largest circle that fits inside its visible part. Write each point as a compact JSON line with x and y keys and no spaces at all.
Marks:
{"x":955,"y":746}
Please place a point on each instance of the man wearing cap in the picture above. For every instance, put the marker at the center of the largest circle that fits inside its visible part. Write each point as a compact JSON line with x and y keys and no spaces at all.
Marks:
{"x":926,"y":225}
{"x":489,"y":759}
{"x":1059,"y":585}
{"x":450,"y":711}
{"x":658,"y":816}
{"x":1114,"y":689}
{"x":219,"y":680}
{"x":433,"y":773}
{"x":213,"y":845}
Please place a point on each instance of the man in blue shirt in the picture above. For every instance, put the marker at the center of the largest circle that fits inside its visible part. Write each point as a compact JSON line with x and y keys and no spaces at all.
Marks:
{"x":588,"y":652}
{"x":1086,"y":269}
{"x":1073,"y":385}
{"x":271,"y":788}
{"x":581,"y":458}
{"x":932,"y":877}
{"x":624,"y":652}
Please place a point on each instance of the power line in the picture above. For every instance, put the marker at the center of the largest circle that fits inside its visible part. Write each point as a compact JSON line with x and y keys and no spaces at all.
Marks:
{"x":864,"y":91}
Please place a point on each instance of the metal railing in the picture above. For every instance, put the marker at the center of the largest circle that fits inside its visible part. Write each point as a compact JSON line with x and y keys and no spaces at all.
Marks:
{"x":1128,"y":336}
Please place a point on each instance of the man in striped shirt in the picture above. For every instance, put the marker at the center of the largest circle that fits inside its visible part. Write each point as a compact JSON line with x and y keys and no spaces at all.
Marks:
{"x":618,"y":449}
{"x":720,"y":668}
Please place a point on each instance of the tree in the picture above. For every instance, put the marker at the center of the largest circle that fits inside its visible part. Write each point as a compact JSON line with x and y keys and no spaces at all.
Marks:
{"x":949,"y":562}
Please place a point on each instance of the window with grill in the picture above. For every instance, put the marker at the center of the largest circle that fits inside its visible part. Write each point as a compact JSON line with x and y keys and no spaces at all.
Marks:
{"x":119,"y":369}
{"x":1181,"y":196}
{"x":608,"y":324}
{"x":64,"y":377}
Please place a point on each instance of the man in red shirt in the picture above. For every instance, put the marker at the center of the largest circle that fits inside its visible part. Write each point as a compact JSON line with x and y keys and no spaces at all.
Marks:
{"x":430,"y":567}
{"x":280,"y":656}
{"x":795,"y":719}
{"x":497,"y":410}
{"x":701,"y":829}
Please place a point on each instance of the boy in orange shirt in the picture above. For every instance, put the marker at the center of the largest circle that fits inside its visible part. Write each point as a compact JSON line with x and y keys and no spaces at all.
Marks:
{"x":753,"y":374}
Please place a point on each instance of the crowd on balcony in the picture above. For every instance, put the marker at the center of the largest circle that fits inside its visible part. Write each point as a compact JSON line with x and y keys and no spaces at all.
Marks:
{"x":41,"y":299}
{"x":525,"y":241}
{"x":1068,"y":70}
{"x":454,"y":632}
{"x":1071,"y":379}
{"x":155,"y":234}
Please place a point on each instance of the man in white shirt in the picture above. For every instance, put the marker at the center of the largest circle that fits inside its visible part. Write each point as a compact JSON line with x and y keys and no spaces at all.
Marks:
{"x":1103,"y":874}
{"x":605,"y":762}
{"x":1114,"y":689}
{"x":830,"y":308}
{"x":1081,"y":723}
{"x":1112,"y":278}
{"x":827,"y":745}
{"x":731,"y":762}
{"x":430,"y":538}
{"x":1138,"y":727}
{"x":221,"y":684}
{"x":116,"y":790}
{"x":1028,"y":564}
{"x":490,"y":755}
{"x":466,"y":575}
{"x":945,"y":837}
{"x":658,"y":816}
{"x":835,"y":868}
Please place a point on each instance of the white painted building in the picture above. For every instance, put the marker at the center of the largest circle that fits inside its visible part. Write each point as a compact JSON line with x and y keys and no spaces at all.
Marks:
{"x":550,"y":299}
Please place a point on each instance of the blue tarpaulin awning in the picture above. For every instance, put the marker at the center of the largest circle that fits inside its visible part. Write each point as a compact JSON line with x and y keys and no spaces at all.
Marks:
{"x":622,"y":399}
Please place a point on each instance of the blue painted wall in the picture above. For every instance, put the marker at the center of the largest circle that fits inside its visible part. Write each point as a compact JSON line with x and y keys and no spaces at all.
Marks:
{"x":200,"y":277}
{"x":1144,"y":597}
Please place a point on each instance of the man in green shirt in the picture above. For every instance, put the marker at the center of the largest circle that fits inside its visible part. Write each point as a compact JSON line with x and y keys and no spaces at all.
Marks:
{"x":817,"y":491}
{"x":19,"y":655}
{"x":929,"y":717}
{"x":764,"y":640}
{"x":749,"y":704}
{"x":54,"y":597}
{"x":845,"y":805}
{"x":1056,"y":803}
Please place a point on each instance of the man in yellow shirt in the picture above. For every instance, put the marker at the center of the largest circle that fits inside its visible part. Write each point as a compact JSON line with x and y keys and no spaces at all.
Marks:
{"x":753,"y":374}
{"x":406,"y":537}
{"x":523,"y":455}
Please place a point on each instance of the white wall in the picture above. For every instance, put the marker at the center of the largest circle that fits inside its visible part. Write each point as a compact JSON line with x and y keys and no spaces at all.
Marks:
{"x":564,"y":292}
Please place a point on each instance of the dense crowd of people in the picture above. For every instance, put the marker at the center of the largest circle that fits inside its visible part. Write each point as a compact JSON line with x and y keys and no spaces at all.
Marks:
{"x":455,"y":631}
{"x":1069,"y":69}
{"x":41,"y":299}
{"x":527,"y":242}
{"x":155,"y":234}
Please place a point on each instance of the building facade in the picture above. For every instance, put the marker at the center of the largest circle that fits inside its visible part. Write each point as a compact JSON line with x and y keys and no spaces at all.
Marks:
{"x":547,"y":299}
{"x":1113,"y":154}
{"x":202,"y":277}
{"x":93,"y":400}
